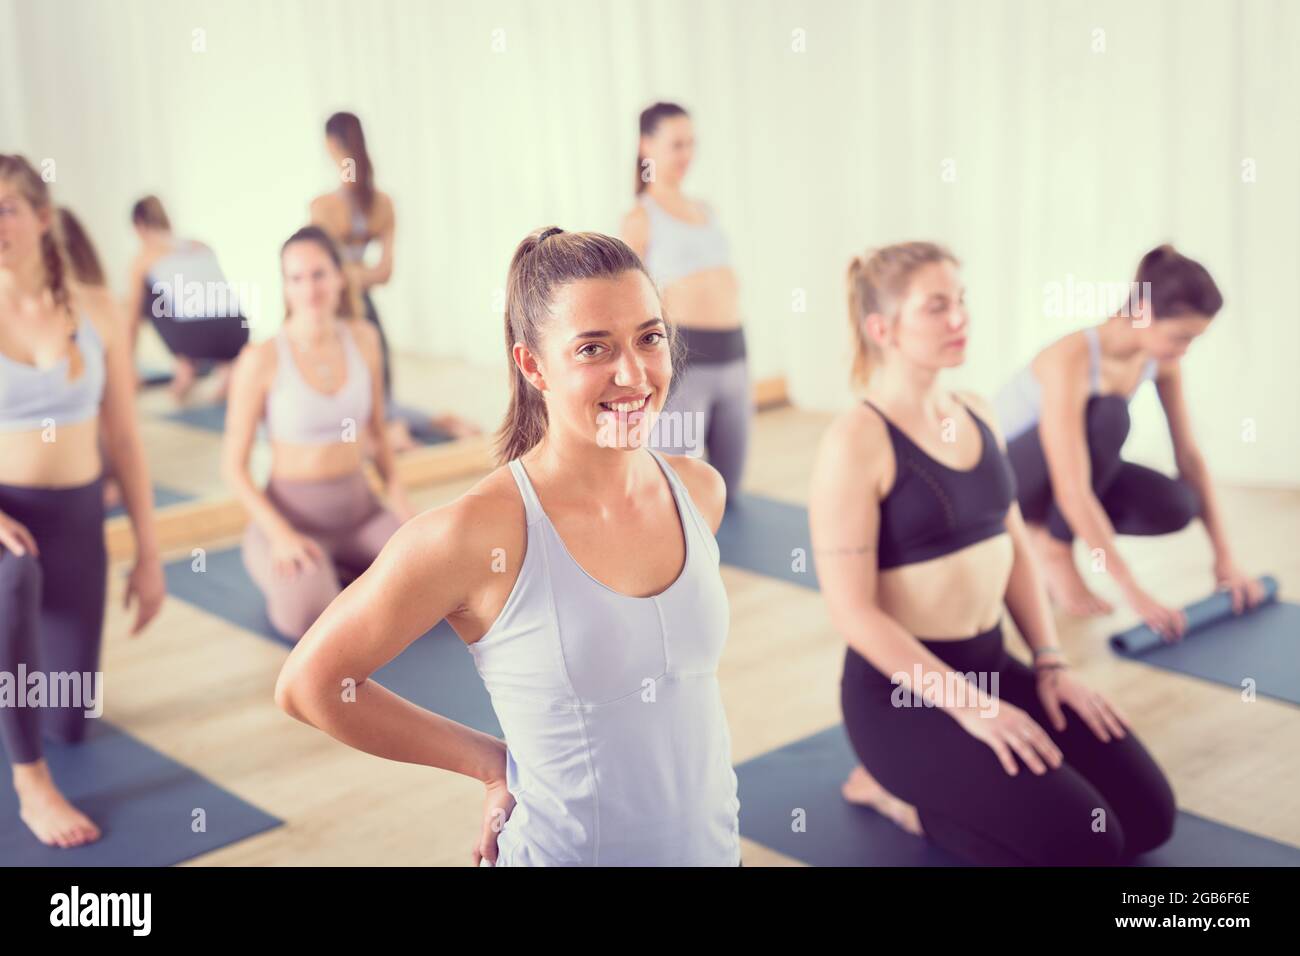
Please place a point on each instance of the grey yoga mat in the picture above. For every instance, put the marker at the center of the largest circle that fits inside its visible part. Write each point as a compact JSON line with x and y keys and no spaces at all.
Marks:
{"x":1259,"y":648}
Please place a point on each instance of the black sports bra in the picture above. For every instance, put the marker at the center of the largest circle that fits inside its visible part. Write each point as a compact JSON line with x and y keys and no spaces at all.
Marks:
{"x":932,"y":509}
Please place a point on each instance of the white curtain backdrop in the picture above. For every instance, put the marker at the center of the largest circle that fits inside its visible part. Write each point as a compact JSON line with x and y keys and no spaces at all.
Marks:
{"x":1045,"y":141}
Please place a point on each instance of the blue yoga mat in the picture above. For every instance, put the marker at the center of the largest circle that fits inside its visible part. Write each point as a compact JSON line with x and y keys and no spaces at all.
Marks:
{"x":1260,"y":645}
{"x":800,"y":783}
{"x":767,"y":537}
{"x":208,"y":417}
{"x":436,"y":671}
{"x":143,"y":802}
{"x":162,"y":497}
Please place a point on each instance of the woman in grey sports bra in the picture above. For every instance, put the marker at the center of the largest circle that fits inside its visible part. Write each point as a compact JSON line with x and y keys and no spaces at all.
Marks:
{"x":61,"y":386}
{"x":583,"y":576}
{"x":686,"y":253}
{"x":1065,"y":417}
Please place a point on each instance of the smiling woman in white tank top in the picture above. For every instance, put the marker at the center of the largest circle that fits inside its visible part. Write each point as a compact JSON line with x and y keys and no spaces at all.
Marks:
{"x":583,"y":576}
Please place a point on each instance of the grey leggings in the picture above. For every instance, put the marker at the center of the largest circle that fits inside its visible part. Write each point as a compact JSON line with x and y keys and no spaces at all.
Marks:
{"x":348,"y":523}
{"x":52,"y":610}
{"x":709,"y":406}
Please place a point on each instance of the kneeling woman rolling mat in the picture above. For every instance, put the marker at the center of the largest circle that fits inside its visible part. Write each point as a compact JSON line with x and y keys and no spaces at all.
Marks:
{"x":1261,"y":646}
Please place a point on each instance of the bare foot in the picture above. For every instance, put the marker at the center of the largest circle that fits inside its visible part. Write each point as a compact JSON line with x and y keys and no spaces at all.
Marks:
{"x":455,"y":426}
{"x":1064,"y":583}
{"x":861,"y":788}
{"x":183,"y":379}
{"x":47,"y":812}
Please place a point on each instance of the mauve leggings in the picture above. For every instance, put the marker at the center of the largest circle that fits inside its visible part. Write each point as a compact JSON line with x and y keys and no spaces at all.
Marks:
{"x":970,"y":806}
{"x":1137,"y":499}
{"x":52,"y":606}
{"x":349,"y":523}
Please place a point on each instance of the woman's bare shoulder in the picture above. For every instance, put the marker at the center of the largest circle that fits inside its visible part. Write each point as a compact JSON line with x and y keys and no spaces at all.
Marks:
{"x":452,"y":537}
{"x":854,"y":452}
{"x":704,"y":483}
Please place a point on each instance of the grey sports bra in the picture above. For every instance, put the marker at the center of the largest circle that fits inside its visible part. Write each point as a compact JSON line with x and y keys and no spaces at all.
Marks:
{"x":677,"y":248}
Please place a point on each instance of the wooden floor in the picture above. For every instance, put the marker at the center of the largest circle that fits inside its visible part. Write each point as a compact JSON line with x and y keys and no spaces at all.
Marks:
{"x":200,"y":691}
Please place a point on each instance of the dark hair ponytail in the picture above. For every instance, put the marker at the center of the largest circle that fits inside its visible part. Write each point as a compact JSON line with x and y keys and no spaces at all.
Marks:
{"x":1178,"y":285}
{"x":651,"y":116}
{"x":346,"y":128}
{"x":544,"y":261}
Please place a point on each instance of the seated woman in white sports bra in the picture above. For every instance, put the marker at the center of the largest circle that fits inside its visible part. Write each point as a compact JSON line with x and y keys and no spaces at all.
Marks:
{"x":315,"y":385}
{"x":596,"y":633}
{"x":1065,"y":417}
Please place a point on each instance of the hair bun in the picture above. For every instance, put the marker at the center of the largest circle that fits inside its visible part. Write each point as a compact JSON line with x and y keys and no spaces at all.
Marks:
{"x":547,"y":233}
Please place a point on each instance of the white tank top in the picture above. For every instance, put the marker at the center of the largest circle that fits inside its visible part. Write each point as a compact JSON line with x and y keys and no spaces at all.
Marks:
{"x":618,"y":748}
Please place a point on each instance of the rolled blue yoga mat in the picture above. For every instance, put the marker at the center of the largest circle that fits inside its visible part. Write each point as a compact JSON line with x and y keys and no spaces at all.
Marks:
{"x":1257,"y":650}
{"x":1202,"y":615}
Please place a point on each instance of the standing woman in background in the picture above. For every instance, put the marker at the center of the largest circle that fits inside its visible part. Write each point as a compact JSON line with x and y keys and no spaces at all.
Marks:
{"x":317,"y":385}
{"x":354,"y":215}
{"x":1065,"y":415}
{"x":687,"y":254}
{"x":64,"y":363}
{"x":164,"y":272}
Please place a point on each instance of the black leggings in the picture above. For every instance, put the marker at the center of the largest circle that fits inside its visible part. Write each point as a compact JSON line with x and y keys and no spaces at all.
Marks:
{"x":1138,"y":500}
{"x":217,"y":339}
{"x":52,"y":608}
{"x":971,"y":807}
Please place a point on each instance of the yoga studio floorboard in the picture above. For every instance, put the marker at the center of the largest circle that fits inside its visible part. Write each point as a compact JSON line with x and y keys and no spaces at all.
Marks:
{"x":198,"y":689}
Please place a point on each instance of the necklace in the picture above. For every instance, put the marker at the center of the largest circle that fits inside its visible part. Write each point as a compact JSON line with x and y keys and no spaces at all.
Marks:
{"x":321,"y":366}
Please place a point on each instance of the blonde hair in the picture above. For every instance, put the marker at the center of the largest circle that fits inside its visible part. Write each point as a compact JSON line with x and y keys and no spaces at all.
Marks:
{"x":544,"y":261}
{"x":877,"y":284}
